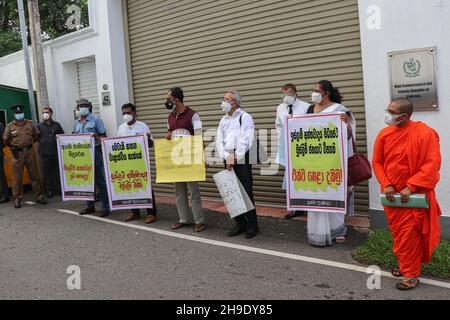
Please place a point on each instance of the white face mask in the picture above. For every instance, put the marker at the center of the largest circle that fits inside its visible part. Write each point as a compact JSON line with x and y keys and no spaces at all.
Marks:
{"x":392,"y":120}
{"x":45,"y":116}
{"x":127,"y":118}
{"x":316,"y":97}
{"x":289,"y":99}
{"x":226,"y":106}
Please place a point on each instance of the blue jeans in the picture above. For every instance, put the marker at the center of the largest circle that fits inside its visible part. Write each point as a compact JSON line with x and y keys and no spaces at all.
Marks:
{"x":100,"y":179}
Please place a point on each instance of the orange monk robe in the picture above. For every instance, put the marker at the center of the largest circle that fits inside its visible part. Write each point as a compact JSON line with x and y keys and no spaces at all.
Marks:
{"x":409,"y":156}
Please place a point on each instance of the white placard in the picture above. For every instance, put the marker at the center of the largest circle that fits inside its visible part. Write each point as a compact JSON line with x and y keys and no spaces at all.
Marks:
{"x":233,"y":193}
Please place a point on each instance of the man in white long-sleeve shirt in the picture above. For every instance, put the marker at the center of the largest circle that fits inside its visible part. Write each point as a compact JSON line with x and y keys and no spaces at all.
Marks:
{"x":235,"y":136}
{"x":291,"y":107}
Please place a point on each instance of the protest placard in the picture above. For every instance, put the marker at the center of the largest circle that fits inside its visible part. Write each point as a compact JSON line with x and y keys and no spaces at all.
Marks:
{"x":76,"y":165}
{"x":233,"y":193}
{"x":180,"y":160}
{"x":317,"y":163}
{"x":127,"y":172}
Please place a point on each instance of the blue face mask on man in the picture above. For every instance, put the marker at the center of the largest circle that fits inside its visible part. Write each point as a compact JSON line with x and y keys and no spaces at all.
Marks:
{"x":19,"y":116}
{"x":84,"y":111}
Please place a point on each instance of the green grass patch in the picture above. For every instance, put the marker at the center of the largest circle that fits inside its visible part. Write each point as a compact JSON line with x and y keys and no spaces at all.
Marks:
{"x":377,"y":250}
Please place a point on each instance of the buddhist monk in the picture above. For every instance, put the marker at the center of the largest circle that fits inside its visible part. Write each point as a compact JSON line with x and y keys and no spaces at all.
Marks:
{"x":406,"y":160}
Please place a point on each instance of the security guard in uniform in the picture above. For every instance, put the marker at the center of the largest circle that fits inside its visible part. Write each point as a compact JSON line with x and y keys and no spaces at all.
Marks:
{"x":19,"y":136}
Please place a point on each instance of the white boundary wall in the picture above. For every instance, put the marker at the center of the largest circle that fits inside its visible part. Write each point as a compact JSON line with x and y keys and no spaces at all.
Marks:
{"x":104,"y":40}
{"x":400,"y":25}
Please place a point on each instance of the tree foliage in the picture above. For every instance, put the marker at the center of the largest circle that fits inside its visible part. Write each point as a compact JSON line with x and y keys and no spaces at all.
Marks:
{"x":10,"y":41}
{"x":54,"y":15}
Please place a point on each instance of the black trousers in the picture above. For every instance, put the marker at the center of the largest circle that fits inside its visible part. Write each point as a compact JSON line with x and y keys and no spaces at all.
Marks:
{"x":50,"y":172}
{"x":3,"y":182}
{"x":244,"y":174}
{"x":151,"y":211}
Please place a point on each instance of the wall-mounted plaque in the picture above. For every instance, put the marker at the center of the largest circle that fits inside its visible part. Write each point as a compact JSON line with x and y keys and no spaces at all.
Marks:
{"x":413,"y":76}
{"x":106,"y":100}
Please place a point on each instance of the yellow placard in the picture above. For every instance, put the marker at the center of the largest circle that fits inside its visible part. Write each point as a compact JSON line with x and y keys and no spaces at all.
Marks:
{"x":180,"y":160}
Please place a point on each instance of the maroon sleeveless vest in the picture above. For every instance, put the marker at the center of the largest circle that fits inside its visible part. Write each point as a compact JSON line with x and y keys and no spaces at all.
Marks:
{"x":182,"y":120}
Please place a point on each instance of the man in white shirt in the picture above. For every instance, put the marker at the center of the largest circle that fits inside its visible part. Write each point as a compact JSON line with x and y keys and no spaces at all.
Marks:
{"x":234,"y":139}
{"x":184,"y":121}
{"x":291,"y":107}
{"x":131,"y":127}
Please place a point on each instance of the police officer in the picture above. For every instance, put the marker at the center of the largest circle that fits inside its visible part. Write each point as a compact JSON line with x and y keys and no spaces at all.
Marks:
{"x":19,"y":136}
{"x":88,"y":123}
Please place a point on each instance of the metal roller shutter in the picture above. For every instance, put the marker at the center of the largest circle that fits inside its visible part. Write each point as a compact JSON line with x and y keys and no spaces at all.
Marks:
{"x":87,"y":83}
{"x":253,"y":46}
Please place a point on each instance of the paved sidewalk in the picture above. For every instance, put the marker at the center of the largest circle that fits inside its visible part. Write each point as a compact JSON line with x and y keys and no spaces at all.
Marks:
{"x":362,"y":224}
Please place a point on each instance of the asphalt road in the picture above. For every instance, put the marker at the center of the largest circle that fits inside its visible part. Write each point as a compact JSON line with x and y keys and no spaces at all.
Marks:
{"x":38,"y":244}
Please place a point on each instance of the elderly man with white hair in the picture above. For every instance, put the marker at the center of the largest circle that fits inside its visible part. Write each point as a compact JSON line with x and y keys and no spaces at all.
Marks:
{"x":235,"y":137}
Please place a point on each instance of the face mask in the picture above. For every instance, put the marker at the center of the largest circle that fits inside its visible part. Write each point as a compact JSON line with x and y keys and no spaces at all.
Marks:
{"x":84,"y":111}
{"x":170,"y":105}
{"x":127,"y":118}
{"x":226,"y":106}
{"x":19,"y":116}
{"x":45,"y":116}
{"x":289,"y":99}
{"x":392,"y":120}
{"x":316,"y":97}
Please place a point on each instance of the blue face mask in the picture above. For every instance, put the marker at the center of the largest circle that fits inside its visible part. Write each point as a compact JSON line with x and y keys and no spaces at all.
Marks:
{"x":84,"y":111}
{"x":19,"y":116}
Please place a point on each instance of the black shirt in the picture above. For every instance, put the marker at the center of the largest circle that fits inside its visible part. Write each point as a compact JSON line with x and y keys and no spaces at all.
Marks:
{"x":47,"y":138}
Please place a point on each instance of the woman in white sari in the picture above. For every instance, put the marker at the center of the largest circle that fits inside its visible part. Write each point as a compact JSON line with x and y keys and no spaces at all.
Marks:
{"x":324,"y":227}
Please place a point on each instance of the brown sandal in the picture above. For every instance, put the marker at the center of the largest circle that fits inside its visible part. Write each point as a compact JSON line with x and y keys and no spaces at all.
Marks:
{"x":340,"y":239}
{"x":407,"y":284}
{"x":179,"y":225}
{"x":396,"y":272}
